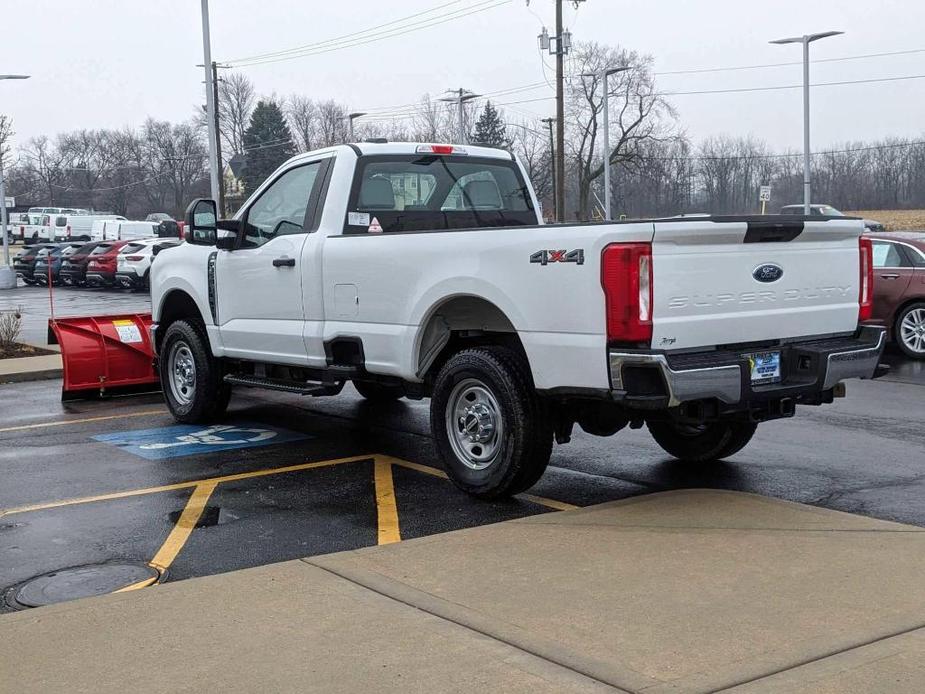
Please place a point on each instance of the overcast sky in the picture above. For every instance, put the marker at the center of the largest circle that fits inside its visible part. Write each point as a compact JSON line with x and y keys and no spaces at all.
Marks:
{"x":112,"y":63}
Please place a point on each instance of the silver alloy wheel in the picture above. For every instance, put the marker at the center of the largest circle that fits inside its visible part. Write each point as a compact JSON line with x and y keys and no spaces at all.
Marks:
{"x":181,"y":372}
{"x":912,"y":330}
{"x":473,"y":424}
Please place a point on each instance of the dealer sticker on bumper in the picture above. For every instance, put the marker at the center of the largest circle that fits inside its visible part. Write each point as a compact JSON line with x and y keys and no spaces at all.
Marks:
{"x":765,"y":367}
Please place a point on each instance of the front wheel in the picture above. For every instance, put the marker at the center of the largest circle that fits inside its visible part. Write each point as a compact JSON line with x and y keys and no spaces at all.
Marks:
{"x":491,"y":429}
{"x":191,"y":378}
{"x":910,"y":330}
{"x":700,"y":443}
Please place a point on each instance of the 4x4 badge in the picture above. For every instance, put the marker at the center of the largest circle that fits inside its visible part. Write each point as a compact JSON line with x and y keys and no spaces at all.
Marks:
{"x":545,"y":257}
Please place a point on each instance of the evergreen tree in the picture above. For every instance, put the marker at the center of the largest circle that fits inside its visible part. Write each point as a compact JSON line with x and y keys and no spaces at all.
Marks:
{"x":490,"y":129}
{"x":267,"y":143}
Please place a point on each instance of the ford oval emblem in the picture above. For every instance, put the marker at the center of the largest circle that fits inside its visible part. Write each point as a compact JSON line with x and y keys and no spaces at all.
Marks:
{"x":769,"y":272}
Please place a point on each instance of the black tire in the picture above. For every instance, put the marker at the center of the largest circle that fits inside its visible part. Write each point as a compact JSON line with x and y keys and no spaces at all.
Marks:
{"x":520,"y":452}
{"x":31,"y":283}
{"x":913,"y":310}
{"x":379,"y":392}
{"x":704,"y":443}
{"x":204,"y":398}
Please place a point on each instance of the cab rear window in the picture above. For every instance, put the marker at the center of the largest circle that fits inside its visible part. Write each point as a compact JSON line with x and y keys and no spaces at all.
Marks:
{"x":395,"y":193}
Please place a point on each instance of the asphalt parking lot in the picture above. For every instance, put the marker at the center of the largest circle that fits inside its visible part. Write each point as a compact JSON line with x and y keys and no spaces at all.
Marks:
{"x":88,"y":483}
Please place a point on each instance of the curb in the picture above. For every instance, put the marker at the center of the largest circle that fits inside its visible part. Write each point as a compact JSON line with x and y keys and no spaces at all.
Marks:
{"x":26,"y":376}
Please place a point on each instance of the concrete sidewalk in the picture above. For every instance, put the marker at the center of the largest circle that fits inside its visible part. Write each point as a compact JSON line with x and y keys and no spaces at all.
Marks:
{"x":688,"y":591}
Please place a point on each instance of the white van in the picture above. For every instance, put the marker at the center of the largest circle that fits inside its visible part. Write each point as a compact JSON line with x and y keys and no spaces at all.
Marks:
{"x":79,"y":227}
{"x":122,"y":230}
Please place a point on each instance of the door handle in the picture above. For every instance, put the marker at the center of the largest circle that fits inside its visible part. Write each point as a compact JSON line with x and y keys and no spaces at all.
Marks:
{"x":889,"y":277}
{"x":284,"y":262}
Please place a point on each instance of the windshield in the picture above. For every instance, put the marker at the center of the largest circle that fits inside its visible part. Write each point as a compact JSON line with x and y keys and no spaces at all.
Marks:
{"x":433,"y":193}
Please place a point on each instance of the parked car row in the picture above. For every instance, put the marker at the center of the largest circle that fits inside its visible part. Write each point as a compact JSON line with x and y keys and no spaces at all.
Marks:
{"x":124,"y":264}
{"x":56,"y":224}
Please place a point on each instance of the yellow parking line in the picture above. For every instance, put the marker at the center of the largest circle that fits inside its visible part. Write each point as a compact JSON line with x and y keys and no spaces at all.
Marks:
{"x":181,"y":485}
{"x":385,"y":504}
{"x":541,"y":500}
{"x":65,"y":422}
{"x":141,"y":584}
{"x":184,"y":527}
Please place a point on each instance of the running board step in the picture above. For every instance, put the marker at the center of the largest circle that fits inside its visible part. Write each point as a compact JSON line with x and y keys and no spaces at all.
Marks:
{"x":274,"y":384}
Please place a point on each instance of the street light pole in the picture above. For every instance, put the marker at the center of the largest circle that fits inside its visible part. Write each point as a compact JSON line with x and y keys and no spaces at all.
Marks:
{"x":7,"y":274}
{"x":210,"y":104}
{"x":806,"y":40}
{"x":351,"y":117}
{"x":605,"y":78}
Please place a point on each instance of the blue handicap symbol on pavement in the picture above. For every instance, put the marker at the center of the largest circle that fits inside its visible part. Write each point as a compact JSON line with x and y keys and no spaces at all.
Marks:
{"x":187,"y":439}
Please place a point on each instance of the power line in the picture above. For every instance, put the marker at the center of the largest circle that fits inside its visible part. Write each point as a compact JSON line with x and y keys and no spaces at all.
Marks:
{"x":750,"y":89}
{"x":483,"y":6}
{"x":378,"y":27}
{"x":789,"y":155}
{"x":696,"y":71}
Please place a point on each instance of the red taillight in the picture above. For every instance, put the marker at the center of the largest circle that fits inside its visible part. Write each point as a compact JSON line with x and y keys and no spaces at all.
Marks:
{"x":866,"y":291}
{"x":69,"y":231}
{"x":134,"y":258}
{"x":626,"y":276}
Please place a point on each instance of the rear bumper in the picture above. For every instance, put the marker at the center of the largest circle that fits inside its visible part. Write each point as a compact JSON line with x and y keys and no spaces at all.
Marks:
{"x":129,"y":279}
{"x":97,"y":278}
{"x":809,"y":370}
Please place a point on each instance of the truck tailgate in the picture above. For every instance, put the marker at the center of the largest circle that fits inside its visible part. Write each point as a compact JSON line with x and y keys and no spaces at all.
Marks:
{"x":724,"y":283}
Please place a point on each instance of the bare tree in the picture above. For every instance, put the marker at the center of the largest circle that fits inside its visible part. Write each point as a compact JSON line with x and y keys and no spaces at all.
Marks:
{"x":6,"y":132}
{"x":531,"y":145}
{"x":639,"y":115}
{"x":303,"y":119}
{"x":332,"y":125}
{"x":236,"y":100}
{"x":46,"y":164}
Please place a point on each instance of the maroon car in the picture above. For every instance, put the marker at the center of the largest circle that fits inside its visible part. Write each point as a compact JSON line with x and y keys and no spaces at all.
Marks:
{"x":899,"y":288}
{"x":101,"y":264}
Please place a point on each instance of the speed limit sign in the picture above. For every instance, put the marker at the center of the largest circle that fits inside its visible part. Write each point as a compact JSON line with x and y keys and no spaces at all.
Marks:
{"x":765,"y":194}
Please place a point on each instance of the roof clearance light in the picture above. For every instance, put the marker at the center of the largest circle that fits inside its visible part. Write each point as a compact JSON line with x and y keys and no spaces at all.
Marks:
{"x":440,"y":149}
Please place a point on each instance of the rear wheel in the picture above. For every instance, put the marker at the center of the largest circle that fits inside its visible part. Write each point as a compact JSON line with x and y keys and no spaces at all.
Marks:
{"x":910,"y":330}
{"x":379,"y":392}
{"x":701,"y":443}
{"x":491,"y":429}
{"x":191,"y":377}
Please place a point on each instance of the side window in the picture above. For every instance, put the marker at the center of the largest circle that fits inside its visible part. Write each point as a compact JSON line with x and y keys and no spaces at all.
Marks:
{"x":887,"y":255}
{"x":281,"y":208}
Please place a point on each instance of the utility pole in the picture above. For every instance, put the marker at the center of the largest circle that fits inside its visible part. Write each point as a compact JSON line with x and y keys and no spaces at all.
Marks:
{"x":560,"y":117}
{"x":552,"y":164}
{"x":461,"y":96}
{"x":214,"y":175}
{"x":218,"y":140}
{"x":563,"y":43}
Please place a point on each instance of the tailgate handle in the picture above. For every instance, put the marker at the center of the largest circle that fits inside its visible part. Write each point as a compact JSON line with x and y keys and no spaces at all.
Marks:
{"x":771,"y":232}
{"x":284,"y":262}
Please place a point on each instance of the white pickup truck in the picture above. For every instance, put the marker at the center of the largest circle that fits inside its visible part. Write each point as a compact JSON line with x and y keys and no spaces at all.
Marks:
{"x":426,"y":271}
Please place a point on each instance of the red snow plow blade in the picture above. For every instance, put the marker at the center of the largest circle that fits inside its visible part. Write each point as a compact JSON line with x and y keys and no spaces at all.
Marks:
{"x":105,"y":355}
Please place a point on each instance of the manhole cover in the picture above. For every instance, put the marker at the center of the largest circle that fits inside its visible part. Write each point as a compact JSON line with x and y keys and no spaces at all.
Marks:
{"x":79,"y":582}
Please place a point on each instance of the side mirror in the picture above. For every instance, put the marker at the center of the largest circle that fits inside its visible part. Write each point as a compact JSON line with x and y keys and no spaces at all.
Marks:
{"x":227,"y":234}
{"x":201,"y":222}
